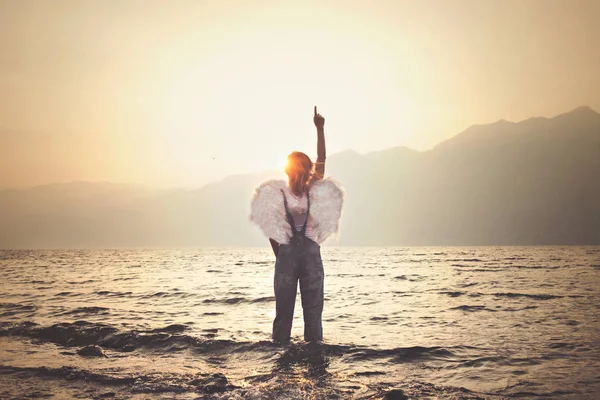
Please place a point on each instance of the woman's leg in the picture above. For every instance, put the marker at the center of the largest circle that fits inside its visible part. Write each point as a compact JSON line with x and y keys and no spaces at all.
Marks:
{"x":311,"y":289}
{"x":286,"y":284}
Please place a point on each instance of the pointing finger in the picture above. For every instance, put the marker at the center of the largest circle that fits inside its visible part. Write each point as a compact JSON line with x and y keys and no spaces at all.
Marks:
{"x":315,"y":111}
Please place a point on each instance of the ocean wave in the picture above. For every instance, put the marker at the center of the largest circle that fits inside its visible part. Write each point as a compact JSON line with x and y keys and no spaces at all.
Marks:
{"x":452,"y":294}
{"x":82,"y":282}
{"x":405,"y":354}
{"x":312,"y":381}
{"x":533,"y":296}
{"x":11,"y":309}
{"x":181,"y":295}
{"x":238,"y":300}
{"x":86,"y":310}
{"x":172,"y":338}
{"x":84,"y":333}
{"x":473,"y":308}
{"x":112,"y":294}
{"x":379,"y":304}
{"x":410,"y":278}
{"x":138,"y":383}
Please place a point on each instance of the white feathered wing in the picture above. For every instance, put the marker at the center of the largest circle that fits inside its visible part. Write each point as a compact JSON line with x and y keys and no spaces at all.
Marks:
{"x":326,"y":201}
{"x":268,"y":211}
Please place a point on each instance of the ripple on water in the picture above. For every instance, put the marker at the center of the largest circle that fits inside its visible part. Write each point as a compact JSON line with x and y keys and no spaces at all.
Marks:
{"x":475,"y":316}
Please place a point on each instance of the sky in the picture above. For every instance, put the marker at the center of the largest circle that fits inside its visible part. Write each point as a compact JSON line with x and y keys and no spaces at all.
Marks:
{"x":182,"y":93}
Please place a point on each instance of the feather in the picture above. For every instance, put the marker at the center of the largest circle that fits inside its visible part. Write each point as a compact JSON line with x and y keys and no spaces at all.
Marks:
{"x":326,"y":201}
{"x":268,"y":212}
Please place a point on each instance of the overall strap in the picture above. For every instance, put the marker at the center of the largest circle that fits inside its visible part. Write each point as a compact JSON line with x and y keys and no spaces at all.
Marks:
{"x":288,"y":215}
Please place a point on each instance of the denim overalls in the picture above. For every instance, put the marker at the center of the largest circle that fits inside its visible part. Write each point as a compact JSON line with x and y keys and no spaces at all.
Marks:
{"x":298,"y":260}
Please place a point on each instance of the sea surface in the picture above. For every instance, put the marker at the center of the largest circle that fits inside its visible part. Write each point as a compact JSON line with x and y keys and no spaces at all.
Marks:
{"x":434,"y":322}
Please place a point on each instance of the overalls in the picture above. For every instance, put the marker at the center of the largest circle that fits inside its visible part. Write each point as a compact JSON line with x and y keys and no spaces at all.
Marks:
{"x":298,"y":260}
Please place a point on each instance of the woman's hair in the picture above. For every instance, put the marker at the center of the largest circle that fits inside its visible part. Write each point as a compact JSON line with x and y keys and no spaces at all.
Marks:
{"x":300,"y":171}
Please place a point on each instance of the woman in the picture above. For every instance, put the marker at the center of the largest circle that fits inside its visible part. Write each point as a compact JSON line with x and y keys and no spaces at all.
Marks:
{"x":296,"y":217}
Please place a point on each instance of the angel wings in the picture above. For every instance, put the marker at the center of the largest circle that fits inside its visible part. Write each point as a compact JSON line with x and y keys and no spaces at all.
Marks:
{"x":326,"y":201}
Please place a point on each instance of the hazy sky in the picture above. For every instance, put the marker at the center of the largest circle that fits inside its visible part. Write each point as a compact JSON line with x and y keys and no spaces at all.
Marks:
{"x":179,"y":93}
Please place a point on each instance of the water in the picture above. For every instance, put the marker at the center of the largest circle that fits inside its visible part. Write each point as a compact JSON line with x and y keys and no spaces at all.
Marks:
{"x":432,"y":322}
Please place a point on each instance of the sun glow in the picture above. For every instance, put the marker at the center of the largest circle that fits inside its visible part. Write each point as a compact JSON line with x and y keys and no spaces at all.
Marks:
{"x":285,"y":164}
{"x":209,"y":92}
{"x":265,"y":85}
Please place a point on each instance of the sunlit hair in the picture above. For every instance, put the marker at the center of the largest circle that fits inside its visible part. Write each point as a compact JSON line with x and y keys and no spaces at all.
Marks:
{"x":300,"y":171}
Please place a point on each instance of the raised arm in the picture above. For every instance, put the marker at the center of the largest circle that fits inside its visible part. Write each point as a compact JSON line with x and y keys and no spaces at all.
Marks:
{"x":320,"y":124}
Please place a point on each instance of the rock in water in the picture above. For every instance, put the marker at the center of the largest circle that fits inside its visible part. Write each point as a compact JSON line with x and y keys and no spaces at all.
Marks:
{"x":395,"y":394}
{"x":91,"y":351}
{"x":211,"y":384}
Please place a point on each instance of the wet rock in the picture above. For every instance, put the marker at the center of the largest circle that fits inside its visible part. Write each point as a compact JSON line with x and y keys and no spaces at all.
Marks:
{"x":369,"y":373}
{"x":38,"y":395}
{"x":78,"y":333}
{"x":145,"y":384}
{"x":91,"y":351}
{"x":395,"y":394}
{"x":215,"y":383}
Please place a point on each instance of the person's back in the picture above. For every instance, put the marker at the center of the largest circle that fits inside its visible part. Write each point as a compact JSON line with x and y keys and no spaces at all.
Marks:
{"x":298,"y":206}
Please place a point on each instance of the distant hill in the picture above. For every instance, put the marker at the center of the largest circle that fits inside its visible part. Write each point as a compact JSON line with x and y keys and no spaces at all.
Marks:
{"x":535,"y":182}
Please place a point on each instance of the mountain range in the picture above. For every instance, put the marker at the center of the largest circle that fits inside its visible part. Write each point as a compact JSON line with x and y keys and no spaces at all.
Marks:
{"x":534,"y":182}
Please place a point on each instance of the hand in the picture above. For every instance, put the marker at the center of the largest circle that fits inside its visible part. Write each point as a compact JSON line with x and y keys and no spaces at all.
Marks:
{"x":318,"y":120}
